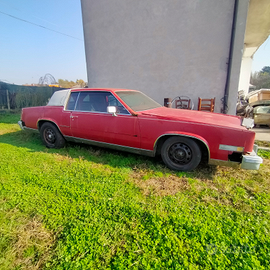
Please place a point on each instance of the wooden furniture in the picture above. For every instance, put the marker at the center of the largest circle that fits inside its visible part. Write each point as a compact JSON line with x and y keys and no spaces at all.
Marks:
{"x":259,"y":97}
{"x":205,"y":104}
{"x":182,"y":102}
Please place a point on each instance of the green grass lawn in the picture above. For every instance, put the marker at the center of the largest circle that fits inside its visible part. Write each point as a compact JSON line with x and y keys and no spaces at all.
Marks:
{"x":87,"y":208}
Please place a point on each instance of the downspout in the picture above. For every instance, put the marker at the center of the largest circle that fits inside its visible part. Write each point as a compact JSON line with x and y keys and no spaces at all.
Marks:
{"x":226,"y":91}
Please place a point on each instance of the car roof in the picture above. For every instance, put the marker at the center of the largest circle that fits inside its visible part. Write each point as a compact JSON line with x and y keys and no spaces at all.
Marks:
{"x":101,"y":89}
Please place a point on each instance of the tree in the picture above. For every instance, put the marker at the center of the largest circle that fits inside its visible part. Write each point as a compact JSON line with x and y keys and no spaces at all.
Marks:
{"x":81,"y":83}
{"x":266,"y":70}
{"x":66,"y":83}
{"x":70,"y":84}
{"x":261,"y":79}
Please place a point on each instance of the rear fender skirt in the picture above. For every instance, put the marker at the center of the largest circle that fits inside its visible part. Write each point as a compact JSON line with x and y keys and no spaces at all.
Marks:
{"x":189,"y":135}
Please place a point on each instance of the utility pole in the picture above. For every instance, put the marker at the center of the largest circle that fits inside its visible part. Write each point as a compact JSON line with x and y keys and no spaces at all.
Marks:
{"x":8,"y":103}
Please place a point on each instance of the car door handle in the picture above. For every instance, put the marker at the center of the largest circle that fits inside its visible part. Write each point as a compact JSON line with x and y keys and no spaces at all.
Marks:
{"x":72,"y":117}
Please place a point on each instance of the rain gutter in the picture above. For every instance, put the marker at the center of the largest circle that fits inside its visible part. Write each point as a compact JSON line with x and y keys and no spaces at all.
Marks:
{"x":226,"y":91}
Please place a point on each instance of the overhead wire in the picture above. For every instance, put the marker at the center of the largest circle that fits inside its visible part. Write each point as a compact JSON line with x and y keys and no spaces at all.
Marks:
{"x":20,"y":10}
{"x":14,"y":17}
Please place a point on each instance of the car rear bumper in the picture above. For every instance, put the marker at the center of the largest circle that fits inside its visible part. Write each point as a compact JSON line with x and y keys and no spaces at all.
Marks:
{"x":21,"y":124}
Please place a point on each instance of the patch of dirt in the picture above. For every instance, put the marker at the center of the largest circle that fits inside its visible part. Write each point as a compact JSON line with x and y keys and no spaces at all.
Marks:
{"x":161,"y":186}
{"x":32,"y":246}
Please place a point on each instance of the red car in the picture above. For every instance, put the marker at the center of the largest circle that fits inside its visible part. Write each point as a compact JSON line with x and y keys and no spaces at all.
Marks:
{"x":131,"y":121}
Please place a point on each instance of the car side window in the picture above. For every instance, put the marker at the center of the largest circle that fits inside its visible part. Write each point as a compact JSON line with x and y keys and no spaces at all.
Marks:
{"x":119,"y":107}
{"x":72,"y":101}
{"x":83,"y":103}
{"x":94,"y":101}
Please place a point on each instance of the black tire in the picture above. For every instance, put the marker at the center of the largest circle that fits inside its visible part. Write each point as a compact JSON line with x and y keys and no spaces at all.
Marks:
{"x":51,"y":136}
{"x":181,"y":153}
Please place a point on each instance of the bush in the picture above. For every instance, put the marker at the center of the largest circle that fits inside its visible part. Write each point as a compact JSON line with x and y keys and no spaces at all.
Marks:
{"x":32,"y":98}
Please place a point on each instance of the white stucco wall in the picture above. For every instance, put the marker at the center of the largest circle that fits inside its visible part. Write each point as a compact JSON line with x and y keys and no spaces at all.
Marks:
{"x":245,"y":74}
{"x":246,"y":67}
{"x":164,"y":48}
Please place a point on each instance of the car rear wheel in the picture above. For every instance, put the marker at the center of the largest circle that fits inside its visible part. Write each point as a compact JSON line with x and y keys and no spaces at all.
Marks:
{"x":51,"y":136}
{"x":181,"y":153}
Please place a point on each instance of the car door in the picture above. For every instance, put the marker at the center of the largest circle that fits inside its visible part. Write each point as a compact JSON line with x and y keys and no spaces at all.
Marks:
{"x":66,"y":114}
{"x":90,"y":120}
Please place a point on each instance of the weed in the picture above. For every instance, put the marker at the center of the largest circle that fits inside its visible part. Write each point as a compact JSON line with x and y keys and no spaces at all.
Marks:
{"x":263,"y":143}
{"x":83,"y":207}
{"x":264,"y":153}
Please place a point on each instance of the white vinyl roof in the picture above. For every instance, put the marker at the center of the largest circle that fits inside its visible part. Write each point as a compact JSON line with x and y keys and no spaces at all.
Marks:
{"x":59,"y":98}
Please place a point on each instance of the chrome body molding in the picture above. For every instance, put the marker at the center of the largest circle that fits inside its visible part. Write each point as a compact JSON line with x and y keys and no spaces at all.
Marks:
{"x":112,"y":146}
{"x":32,"y":129}
{"x":66,"y":102}
{"x":182,"y":135}
{"x":255,"y":148}
{"x":231,"y":148}
{"x":47,"y":120}
{"x":125,"y":114}
{"x":20,"y":123}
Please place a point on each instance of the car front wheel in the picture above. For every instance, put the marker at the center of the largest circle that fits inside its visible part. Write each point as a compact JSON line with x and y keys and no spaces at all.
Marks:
{"x":181,"y":153}
{"x":51,"y":136}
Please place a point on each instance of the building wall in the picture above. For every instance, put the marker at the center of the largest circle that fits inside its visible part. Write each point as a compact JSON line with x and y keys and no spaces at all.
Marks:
{"x":246,"y":67}
{"x":237,"y":53}
{"x":245,"y":74}
{"x":165,"y":48}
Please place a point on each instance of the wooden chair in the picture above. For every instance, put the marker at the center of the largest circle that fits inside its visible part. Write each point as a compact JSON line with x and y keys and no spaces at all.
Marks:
{"x":206,"y":104}
{"x":182,"y":102}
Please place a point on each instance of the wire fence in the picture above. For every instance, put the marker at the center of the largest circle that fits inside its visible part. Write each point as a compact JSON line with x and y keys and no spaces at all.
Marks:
{"x":19,"y":96}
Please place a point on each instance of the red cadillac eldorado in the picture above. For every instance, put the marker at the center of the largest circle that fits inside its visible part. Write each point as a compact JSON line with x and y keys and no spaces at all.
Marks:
{"x":131,"y":121}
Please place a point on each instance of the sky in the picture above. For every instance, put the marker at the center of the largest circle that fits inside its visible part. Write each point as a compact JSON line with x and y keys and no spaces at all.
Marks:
{"x":262,"y":56}
{"x":46,"y":36}
{"x":51,"y":41}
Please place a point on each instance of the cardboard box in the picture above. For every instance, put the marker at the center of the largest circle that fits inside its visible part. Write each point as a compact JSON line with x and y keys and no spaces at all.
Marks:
{"x":260,"y":95}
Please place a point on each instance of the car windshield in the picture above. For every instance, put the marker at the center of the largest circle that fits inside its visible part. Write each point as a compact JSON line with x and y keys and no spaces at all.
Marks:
{"x":137,"y":101}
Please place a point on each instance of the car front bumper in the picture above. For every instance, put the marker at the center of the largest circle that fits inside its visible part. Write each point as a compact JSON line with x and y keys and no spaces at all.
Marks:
{"x":247,"y":161}
{"x":251,"y":161}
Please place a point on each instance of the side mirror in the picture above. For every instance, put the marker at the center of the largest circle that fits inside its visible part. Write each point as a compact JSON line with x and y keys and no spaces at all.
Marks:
{"x":112,"y":110}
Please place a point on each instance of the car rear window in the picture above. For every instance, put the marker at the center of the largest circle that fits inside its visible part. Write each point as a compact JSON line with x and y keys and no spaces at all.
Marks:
{"x":58,"y":98}
{"x":72,"y":101}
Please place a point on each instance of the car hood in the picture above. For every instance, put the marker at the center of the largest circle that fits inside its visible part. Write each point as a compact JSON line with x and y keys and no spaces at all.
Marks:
{"x":216,"y":119}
